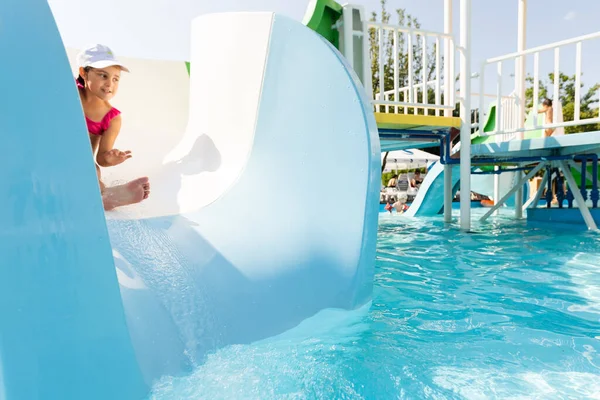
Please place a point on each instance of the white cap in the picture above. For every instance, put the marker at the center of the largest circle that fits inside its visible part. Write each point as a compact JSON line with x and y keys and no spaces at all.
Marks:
{"x":98,"y":56}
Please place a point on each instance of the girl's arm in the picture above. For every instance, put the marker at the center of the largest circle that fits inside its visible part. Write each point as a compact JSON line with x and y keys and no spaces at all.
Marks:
{"x":107,"y":156}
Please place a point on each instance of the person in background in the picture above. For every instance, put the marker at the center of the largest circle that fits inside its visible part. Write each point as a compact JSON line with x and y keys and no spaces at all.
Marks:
{"x":393,"y":182}
{"x":549,"y":118}
{"x":416,"y":180}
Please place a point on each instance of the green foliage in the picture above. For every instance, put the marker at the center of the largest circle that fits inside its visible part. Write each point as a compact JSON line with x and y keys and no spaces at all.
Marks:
{"x":408,"y":20}
{"x":566,"y":94}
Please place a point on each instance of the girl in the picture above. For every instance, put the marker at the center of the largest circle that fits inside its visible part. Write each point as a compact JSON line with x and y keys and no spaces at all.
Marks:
{"x":98,"y":82}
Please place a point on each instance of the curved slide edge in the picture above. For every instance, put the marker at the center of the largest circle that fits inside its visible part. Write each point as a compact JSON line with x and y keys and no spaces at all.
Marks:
{"x":63,"y":332}
{"x":430,"y":197}
{"x":246,"y":241}
{"x":218,"y":257}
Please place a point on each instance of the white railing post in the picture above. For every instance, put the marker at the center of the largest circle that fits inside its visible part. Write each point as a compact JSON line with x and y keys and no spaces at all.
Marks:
{"x":366,"y":72}
{"x":438,"y":61}
{"x":448,"y":88}
{"x":481,"y":97}
{"x":348,"y":32}
{"x":499,"y":124}
{"x":424,"y":73}
{"x":452,"y":80}
{"x":465,"y":114}
{"x":536,"y":87}
{"x":520,"y":81}
{"x":556,"y":82}
{"x":520,"y":66}
{"x":381,"y":33}
{"x":396,"y":70}
{"x":499,"y":98}
{"x":409,"y":36}
{"x":577,"y":82}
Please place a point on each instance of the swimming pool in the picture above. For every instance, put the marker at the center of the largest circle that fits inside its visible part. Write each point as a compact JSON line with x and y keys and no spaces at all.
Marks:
{"x":507,"y":311}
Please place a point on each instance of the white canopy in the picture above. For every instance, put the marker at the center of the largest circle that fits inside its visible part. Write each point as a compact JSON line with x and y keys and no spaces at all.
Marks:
{"x":408,"y":159}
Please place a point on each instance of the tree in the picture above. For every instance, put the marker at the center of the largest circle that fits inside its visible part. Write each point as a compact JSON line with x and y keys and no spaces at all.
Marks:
{"x":407,"y":20}
{"x":566,"y":94}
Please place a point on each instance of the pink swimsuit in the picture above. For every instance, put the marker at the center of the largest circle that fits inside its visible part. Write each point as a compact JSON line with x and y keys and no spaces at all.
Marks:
{"x":98,"y":128}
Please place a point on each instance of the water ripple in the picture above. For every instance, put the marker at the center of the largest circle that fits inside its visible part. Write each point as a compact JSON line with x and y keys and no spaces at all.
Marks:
{"x":505,"y":311}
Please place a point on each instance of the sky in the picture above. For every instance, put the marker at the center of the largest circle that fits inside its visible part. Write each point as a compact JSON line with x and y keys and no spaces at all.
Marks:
{"x":161,"y":28}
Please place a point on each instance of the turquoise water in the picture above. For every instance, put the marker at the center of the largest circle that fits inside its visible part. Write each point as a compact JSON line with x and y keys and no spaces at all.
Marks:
{"x":507,"y":311}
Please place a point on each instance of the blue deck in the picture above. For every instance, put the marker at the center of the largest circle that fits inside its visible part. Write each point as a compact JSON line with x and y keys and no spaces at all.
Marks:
{"x":571,"y":216}
{"x":581,"y":143}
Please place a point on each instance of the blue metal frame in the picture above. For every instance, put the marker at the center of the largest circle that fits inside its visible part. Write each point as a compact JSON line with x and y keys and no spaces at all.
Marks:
{"x":594,"y":193}
{"x":445,"y":159}
{"x":561,"y":195}
{"x":444,"y":141}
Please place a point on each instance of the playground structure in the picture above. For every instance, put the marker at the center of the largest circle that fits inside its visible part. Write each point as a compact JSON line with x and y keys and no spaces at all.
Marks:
{"x":407,"y":118}
{"x":183,"y":281}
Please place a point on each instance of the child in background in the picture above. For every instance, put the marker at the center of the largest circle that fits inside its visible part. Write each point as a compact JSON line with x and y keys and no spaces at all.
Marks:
{"x":549,"y":111}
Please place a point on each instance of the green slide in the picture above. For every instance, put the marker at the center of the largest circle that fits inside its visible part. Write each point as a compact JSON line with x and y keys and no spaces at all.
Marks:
{"x":321,"y":16}
{"x":490,"y":126}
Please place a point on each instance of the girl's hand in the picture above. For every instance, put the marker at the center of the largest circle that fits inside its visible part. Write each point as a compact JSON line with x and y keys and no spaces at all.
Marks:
{"x":115,"y":157}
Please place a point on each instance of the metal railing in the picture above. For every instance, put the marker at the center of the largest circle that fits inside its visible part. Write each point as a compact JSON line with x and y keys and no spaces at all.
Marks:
{"x":409,"y":93}
{"x":414,"y":95}
{"x":507,"y":123}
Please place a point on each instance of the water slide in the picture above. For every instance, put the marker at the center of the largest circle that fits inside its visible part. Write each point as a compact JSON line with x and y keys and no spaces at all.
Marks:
{"x":240,"y":239}
{"x":430,"y":197}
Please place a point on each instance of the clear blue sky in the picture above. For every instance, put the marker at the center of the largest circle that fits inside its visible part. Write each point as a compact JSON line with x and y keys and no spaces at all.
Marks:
{"x":160,"y":28}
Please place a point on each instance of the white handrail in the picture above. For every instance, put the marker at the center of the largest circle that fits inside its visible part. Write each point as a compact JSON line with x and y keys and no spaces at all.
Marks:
{"x":415,"y":86}
{"x":399,"y":28}
{"x":405,"y":104}
{"x":383,"y":95}
{"x":553,"y":126}
{"x":506,"y":120}
{"x":410,"y":92}
{"x":543,"y":48}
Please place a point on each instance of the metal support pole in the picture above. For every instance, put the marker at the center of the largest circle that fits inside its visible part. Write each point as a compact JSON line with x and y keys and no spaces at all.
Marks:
{"x":595,"y":195}
{"x":447,"y":102}
{"x":465,"y":115}
{"x":520,"y":81}
{"x":496,"y":186}
{"x":513,"y":190}
{"x":585,"y":211}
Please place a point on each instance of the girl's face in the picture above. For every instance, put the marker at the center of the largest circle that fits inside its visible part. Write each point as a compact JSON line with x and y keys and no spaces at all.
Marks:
{"x":102,"y":82}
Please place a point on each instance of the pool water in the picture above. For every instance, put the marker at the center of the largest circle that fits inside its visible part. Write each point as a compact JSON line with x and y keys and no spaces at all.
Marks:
{"x":507,"y":311}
